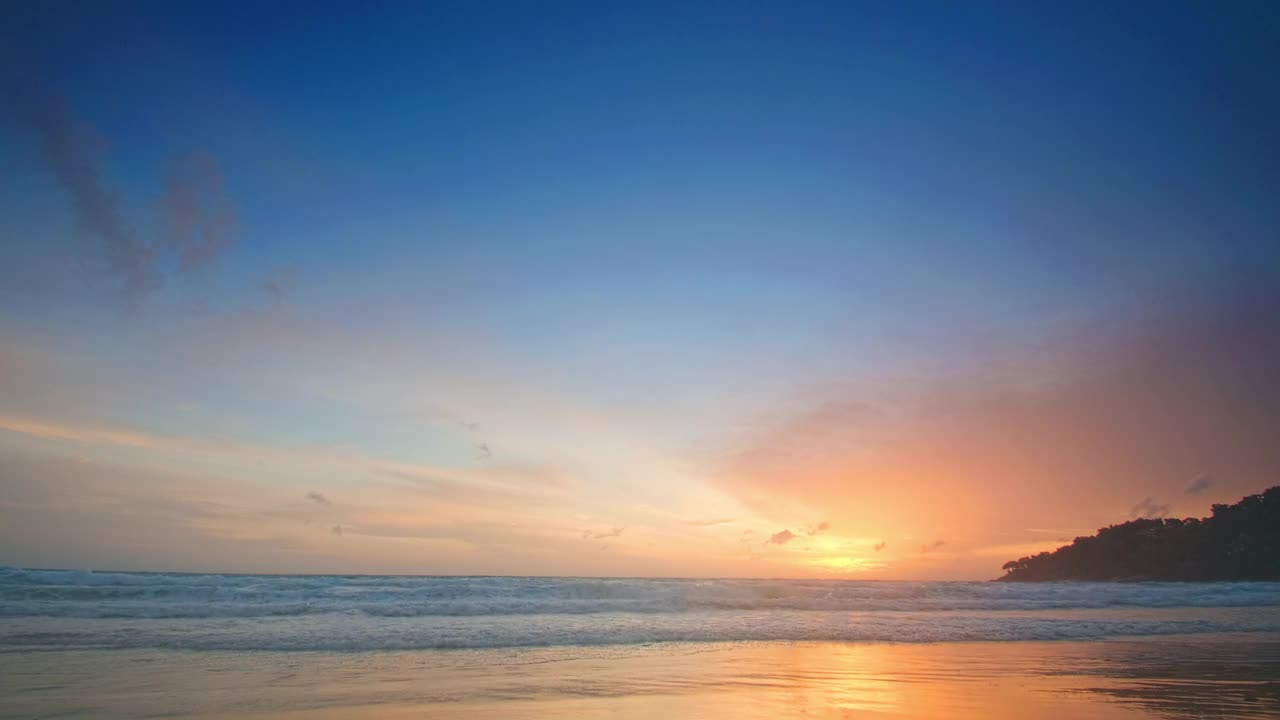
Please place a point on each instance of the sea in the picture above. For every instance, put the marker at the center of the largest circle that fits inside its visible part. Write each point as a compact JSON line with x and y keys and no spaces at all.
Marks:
{"x":127,"y":644}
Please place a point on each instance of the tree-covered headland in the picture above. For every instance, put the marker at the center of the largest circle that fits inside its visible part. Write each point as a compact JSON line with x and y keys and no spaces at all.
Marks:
{"x":1236,"y":542}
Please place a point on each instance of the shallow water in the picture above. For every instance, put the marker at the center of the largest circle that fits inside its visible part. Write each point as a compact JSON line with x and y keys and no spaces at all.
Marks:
{"x":1167,"y":677}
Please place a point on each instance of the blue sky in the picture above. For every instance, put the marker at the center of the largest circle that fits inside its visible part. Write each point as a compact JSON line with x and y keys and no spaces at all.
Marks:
{"x":633,"y":243}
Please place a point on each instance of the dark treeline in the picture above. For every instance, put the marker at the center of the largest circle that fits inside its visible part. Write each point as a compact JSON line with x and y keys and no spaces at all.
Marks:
{"x":1238,"y":542}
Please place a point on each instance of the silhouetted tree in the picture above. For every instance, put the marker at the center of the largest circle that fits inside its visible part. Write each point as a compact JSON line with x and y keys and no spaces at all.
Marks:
{"x":1238,"y":542}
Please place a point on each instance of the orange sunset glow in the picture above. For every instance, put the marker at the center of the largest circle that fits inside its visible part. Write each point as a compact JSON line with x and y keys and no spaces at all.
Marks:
{"x":857,"y":359}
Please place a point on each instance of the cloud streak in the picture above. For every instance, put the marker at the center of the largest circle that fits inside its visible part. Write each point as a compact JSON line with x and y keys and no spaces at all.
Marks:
{"x":200,"y":219}
{"x":73,"y":151}
{"x":79,"y":433}
{"x":1201,"y":483}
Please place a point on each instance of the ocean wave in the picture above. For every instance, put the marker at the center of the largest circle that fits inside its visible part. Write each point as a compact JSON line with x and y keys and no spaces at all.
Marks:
{"x":364,"y":633}
{"x":84,"y":594}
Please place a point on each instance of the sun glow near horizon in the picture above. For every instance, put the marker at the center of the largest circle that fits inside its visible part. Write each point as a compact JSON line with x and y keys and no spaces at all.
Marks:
{"x":812,"y":296}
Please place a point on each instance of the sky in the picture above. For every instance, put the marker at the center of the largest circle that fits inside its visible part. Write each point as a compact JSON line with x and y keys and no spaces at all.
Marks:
{"x":872,"y":290}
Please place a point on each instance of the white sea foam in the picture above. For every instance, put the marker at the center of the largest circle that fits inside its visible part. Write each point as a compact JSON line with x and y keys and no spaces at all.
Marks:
{"x":151,"y":595}
{"x":47,"y":608}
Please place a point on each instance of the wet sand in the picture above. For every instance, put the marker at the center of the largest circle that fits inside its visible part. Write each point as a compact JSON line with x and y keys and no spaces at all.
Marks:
{"x":1217,"y":676}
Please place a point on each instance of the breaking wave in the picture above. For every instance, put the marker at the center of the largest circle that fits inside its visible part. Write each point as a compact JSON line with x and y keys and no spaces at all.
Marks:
{"x":54,"y":608}
{"x":61,"y":593}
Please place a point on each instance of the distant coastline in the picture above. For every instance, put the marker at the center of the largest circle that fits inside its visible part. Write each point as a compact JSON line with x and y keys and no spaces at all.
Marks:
{"x":1237,"y":542}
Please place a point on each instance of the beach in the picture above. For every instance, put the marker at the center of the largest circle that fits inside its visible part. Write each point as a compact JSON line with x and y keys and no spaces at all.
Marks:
{"x":124,"y":645}
{"x":1185,"y":677}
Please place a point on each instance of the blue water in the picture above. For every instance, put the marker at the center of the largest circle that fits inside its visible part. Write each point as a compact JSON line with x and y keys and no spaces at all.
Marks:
{"x":55,"y":609}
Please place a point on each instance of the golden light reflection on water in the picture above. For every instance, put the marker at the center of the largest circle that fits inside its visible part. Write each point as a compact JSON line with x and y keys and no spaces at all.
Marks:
{"x":773,"y":681}
{"x":777,"y":681}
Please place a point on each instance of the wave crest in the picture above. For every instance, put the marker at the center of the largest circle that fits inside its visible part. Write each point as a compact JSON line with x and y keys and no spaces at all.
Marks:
{"x":59,"y":593}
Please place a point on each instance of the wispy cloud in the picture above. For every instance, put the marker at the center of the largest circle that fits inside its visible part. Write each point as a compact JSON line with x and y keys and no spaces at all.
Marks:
{"x":781,"y":537}
{"x":202,"y":219}
{"x":318,"y":497}
{"x":709,"y":522}
{"x":73,"y":152}
{"x":1149,"y":508}
{"x":80,"y":433}
{"x":880,"y":546}
{"x":936,"y":544}
{"x":1201,"y":483}
{"x":527,"y":484}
